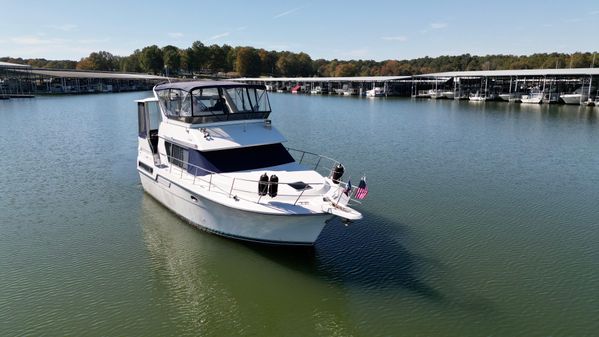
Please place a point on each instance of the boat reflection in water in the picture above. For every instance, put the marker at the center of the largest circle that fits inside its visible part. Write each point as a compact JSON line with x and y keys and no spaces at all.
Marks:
{"x":215,"y":286}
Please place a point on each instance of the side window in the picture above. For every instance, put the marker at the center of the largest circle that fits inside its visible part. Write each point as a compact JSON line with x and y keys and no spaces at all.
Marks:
{"x":155,"y":116}
{"x":259,"y":100}
{"x":175,"y":102}
{"x":177,"y":155}
{"x":237,"y":100}
{"x":141,"y":120}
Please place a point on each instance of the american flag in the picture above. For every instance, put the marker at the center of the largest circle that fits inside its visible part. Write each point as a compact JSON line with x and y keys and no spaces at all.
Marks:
{"x":362,"y":190}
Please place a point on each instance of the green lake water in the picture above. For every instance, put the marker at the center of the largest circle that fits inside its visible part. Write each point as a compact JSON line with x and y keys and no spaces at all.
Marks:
{"x":482,"y":220}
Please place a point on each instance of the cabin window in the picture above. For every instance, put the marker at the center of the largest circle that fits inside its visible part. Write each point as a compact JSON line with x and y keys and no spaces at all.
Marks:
{"x":177,"y":155}
{"x":207,"y":102}
{"x":238,"y":159}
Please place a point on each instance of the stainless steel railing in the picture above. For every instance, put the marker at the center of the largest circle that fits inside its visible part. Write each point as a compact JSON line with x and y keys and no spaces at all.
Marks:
{"x":225,"y":188}
{"x":316,"y":160}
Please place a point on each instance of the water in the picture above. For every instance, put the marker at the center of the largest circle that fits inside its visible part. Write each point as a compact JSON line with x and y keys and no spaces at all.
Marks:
{"x":482,"y":220}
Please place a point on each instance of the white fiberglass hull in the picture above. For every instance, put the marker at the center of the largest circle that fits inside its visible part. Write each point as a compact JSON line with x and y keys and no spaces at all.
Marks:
{"x":531,"y":100}
{"x":226,"y":221}
{"x":448,"y":94}
{"x":572,"y":98}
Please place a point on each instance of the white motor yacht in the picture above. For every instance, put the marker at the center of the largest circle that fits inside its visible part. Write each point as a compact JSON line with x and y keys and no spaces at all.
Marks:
{"x":535,"y":96}
{"x":448,"y":94}
{"x":375,"y":92}
{"x":477,"y":97}
{"x":579,"y":96}
{"x":208,"y":152}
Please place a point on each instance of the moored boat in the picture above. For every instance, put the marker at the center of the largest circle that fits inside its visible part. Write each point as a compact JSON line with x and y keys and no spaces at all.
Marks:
{"x":535,"y":96}
{"x":477,"y":97}
{"x":209,"y":153}
{"x":579,"y":96}
{"x":448,"y":94}
{"x":375,"y":92}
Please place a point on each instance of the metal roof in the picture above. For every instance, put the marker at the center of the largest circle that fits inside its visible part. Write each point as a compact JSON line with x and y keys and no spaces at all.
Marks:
{"x":478,"y":73}
{"x":13,"y":65}
{"x":92,"y":74}
{"x":190,"y":85}
{"x":517,"y":72}
{"x":323,"y":79}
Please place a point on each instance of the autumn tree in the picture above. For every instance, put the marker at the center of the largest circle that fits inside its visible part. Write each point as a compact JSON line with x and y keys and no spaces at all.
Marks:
{"x":248,"y":62}
{"x":101,"y":60}
{"x":345,"y":70}
{"x":390,"y":68}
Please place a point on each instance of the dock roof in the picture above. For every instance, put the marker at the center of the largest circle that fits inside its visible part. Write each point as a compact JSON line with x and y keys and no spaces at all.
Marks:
{"x":517,"y":72}
{"x":13,"y":65}
{"x":323,"y":79}
{"x":93,"y":74}
{"x":477,"y":73}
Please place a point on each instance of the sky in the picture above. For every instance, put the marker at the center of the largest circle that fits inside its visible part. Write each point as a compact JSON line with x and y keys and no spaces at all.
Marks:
{"x":379,"y":30}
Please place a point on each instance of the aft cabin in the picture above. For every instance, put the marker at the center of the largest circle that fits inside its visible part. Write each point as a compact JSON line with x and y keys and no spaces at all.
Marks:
{"x":212,"y":101}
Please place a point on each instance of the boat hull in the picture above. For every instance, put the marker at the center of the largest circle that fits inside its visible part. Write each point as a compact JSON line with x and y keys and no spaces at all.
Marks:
{"x":226,"y":221}
{"x":572,"y":99}
{"x":526,"y":99}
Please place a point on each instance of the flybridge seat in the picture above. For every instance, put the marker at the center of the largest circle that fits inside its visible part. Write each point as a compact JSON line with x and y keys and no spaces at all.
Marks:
{"x":212,"y":101}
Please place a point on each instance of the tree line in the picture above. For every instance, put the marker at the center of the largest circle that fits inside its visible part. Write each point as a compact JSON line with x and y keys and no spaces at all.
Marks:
{"x":200,"y":59}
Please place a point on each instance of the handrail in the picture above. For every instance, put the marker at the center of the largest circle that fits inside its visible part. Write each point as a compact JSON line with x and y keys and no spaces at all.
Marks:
{"x":211,"y":185}
{"x":319,"y":156}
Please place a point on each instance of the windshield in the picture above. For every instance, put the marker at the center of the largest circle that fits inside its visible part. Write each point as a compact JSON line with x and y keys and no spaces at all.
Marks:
{"x":214,"y":103}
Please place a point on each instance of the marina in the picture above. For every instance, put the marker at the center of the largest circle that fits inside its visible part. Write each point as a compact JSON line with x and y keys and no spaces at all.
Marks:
{"x":496,"y":85}
{"x":481,"y":220}
{"x":553,"y":85}
{"x":22,"y":81}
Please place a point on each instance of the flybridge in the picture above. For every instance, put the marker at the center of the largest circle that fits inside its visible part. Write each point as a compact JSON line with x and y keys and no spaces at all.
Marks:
{"x":211,"y":101}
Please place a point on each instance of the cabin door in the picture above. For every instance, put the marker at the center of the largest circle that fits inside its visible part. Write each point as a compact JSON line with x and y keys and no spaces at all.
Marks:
{"x":148,"y":118}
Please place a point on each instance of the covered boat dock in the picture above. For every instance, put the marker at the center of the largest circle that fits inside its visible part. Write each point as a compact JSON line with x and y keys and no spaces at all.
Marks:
{"x":18,"y":80}
{"x":460,"y":84}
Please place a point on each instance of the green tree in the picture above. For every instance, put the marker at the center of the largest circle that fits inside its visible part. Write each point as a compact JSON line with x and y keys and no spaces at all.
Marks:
{"x":151,"y":60}
{"x":172,"y":59}
{"x":304,"y":65}
{"x":131,"y":63}
{"x":198,"y":56}
{"x":216,"y":58}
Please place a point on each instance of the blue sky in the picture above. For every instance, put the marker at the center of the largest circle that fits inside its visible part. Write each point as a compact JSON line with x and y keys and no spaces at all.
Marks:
{"x":378,"y":30}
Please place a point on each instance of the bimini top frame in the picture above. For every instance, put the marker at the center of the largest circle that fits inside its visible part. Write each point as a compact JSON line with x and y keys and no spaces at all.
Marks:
{"x":199,"y":102}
